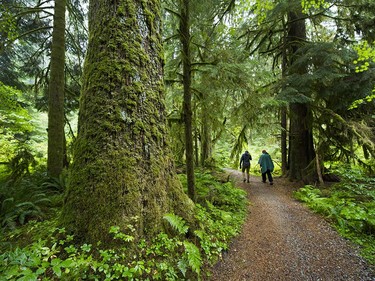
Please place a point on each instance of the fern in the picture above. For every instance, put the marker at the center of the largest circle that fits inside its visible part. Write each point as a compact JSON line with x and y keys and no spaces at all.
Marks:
{"x":193,"y":256}
{"x":182,"y":266}
{"x":177,"y":223}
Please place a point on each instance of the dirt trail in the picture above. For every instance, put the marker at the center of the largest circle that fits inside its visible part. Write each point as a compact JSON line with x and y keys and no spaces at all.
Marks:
{"x":282,"y":240}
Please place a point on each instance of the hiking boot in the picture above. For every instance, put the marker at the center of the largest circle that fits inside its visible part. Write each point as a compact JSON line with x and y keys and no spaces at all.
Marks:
{"x":244,"y":180}
{"x":271,"y":183}
{"x":248,"y":182}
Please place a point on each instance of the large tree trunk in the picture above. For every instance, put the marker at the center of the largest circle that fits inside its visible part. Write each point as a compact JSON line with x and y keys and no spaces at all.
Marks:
{"x":122,"y":171}
{"x":188,"y":115}
{"x":301,"y":141}
{"x":301,"y":149}
{"x":56,"y":93}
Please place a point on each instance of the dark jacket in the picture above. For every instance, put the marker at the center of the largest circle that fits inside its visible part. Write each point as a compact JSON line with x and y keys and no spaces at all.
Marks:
{"x":245,"y":159}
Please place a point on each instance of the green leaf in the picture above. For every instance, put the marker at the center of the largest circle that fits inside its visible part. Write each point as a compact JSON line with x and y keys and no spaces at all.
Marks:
{"x":67,"y":263}
{"x":55,"y":261}
{"x":57,"y":270}
{"x":194,"y":256}
{"x":177,"y":223}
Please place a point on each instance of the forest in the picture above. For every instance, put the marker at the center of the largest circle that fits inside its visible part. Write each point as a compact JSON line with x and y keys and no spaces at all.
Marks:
{"x":119,"y":118}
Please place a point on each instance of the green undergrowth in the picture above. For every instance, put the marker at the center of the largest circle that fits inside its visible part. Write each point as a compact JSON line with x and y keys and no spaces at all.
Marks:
{"x":184,"y":253}
{"x":350,"y":206}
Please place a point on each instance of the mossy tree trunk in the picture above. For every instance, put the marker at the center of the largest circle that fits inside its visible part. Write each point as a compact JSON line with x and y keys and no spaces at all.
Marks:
{"x":122,"y":170}
{"x":301,"y":149}
{"x":188,"y":115}
{"x":56,"y":143}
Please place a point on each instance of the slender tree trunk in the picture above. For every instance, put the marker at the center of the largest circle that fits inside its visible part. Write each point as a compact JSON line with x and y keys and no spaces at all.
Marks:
{"x":196,"y":147}
{"x":284,"y":109}
{"x":123,"y":171}
{"x":185,"y":40}
{"x":301,"y":144}
{"x":195,"y":136}
{"x":56,"y":93}
{"x":284,"y":150}
{"x":318,"y":169}
{"x":206,"y":143}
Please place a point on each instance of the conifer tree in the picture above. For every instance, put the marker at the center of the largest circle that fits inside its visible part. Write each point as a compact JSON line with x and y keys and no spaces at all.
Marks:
{"x":123,"y":171}
{"x":56,"y":122}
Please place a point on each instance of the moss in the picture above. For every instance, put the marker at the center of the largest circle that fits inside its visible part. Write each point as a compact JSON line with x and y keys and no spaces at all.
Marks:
{"x":122,"y":168}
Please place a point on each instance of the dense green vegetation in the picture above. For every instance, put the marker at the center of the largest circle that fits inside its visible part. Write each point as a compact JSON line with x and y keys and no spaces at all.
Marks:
{"x":349,"y":205}
{"x":42,"y":250}
{"x":175,"y":85}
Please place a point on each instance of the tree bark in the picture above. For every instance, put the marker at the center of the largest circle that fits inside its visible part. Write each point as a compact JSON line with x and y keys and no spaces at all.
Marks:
{"x":123,"y":171}
{"x":284,"y":150}
{"x":186,"y":61}
{"x":301,"y":145}
{"x":301,"y":138}
{"x":206,"y":134}
{"x":284,"y":109}
{"x":56,"y":93}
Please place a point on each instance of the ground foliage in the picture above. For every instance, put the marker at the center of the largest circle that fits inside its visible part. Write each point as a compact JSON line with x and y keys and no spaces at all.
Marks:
{"x":41,"y":251}
{"x":349,"y":205}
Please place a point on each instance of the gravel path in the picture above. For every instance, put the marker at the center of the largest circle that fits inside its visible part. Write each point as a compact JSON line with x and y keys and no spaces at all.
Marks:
{"x":282,"y":240}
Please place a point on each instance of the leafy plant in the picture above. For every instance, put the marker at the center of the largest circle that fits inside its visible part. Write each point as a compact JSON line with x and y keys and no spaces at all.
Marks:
{"x":55,"y":256}
{"x":29,"y":198}
{"x":177,"y":223}
{"x":349,"y":205}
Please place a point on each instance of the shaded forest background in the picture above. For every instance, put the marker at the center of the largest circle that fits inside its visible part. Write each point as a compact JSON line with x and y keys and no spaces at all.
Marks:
{"x":88,"y":107}
{"x":246,"y":68}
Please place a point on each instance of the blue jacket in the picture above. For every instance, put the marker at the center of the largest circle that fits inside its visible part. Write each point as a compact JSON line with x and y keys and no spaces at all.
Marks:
{"x":265,"y":162}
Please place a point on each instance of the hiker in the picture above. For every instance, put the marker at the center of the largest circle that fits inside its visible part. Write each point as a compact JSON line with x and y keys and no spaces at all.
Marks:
{"x":245,"y":165}
{"x":266,"y":166}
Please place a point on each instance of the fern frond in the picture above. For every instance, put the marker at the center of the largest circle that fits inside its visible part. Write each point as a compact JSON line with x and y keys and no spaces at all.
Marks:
{"x":182,"y":266}
{"x":6,"y":203}
{"x":177,"y":223}
{"x":194,"y":256}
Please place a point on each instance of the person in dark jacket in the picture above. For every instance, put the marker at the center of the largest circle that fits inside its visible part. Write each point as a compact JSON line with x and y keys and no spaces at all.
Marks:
{"x":245,"y":165}
{"x":266,"y":166}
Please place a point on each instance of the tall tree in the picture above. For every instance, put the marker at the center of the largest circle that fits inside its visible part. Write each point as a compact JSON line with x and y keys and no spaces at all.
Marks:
{"x":122,"y":172}
{"x":188,"y":114}
{"x":56,"y":135}
{"x":301,"y":150}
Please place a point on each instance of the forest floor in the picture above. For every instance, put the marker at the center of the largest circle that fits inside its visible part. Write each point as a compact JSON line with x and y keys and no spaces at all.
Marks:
{"x":283,"y":240}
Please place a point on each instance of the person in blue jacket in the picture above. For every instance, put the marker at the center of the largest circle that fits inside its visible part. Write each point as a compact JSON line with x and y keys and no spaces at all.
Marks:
{"x":266,"y":166}
{"x":245,"y":165}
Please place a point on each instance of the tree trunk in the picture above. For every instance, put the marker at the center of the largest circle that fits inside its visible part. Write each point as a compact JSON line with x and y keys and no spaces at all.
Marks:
{"x":196,"y":147}
{"x":123,"y":171}
{"x":206,"y":141}
{"x":301,"y":145}
{"x":56,"y":93}
{"x":284,"y":150}
{"x":301,"y":141}
{"x":186,"y":60}
{"x":284,"y":109}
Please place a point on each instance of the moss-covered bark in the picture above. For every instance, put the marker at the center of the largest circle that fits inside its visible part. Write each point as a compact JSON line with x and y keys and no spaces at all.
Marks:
{"x":122,"y":171}
{"x":56,"y":144}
